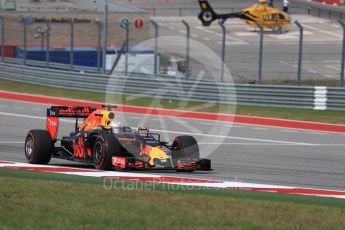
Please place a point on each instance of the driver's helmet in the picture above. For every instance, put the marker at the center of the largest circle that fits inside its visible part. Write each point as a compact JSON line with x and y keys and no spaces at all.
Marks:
{"x":116,"y":126}
{"x":262,"y":1}
{"x":143,"y":130}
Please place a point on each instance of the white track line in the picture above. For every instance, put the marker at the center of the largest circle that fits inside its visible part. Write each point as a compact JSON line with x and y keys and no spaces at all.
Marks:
{"x":205,"y":123}
{"x":237,"y":40}
{"x":318,"y":43}
{"x":111,"y":178}
{"x":231,"y":125}
{"x":11,"y":142}
{"x":312,"y":71}
{"x":135,"y":118}
{"x":198,"y":119}
{"x":222,"y":123}
{"x":323,"y":31}
{"x":289,"y":131}
{"x":318,"y":133}
{"x":22,"y":115}
{"x":333,"y":67}
{"x":258,"y":128}
{"x":233,"y":137}
{"x":177,"y":132}
{"x":269,"y":144}
{"x":248,"y":144}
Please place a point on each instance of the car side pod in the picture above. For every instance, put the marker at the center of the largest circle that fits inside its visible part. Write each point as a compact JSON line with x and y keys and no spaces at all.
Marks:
{"x":204,"y":164}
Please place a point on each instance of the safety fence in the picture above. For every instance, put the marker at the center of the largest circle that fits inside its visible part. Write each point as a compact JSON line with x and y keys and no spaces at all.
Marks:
{"x":324,"y":11}
{"x":166,"y":87}
{"x":311,"y":51}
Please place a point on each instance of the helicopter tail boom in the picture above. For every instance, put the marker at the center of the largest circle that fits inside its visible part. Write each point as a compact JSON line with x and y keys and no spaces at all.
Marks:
{"x":208,"y":15}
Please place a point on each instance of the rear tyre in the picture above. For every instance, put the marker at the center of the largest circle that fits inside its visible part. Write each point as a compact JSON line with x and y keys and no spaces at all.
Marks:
{"x":38,"y":147}
{"x":106,"y":146}
{"x":185,"y":147}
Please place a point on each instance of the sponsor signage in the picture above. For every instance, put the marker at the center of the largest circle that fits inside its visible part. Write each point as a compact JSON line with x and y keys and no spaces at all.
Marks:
{"x":62,"y":20}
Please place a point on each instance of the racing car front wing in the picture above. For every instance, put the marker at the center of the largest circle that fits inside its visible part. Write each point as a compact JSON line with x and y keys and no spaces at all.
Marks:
{"x":182,"y":164}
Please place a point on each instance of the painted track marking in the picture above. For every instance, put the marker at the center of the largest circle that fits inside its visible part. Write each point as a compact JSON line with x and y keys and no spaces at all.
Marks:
{"x":258,"y":128}
{"x":175,"y":132}
{"x":235,"y":41}
{"x":289,"y":131}
{"x":272,"y":144}
{"x":222,"y":125}
{"x":11,"y":142}
{"x":238,"y":119}
{"x":323,"y":31}
{"x":318,"y":133}
{"x":107,"y":176}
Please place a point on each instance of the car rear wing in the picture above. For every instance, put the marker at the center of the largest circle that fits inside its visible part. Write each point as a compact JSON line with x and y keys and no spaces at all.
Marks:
{"x":70,"y":111}
{"x":55,"y":112}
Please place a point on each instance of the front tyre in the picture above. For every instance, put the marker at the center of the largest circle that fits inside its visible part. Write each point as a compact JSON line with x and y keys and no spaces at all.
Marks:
{"x":106,"y":146}
{"x":38,"y":147}
{"x":185,"y":147}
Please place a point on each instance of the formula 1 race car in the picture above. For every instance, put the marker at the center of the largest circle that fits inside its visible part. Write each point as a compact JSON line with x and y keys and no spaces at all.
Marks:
{"x":106,"y":143}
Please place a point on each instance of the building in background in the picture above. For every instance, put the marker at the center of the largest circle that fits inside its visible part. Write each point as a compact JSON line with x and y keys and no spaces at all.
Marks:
{"x":87,"y":16}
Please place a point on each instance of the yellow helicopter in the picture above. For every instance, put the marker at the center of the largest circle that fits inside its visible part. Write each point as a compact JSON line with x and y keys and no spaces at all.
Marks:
{"x":260,"y":13}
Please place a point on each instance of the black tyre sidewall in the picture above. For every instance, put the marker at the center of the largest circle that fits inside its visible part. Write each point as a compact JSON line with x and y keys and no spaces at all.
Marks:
{"x":42,"y":147}
{"x":187,"y":148}
{"x":110,"y":147}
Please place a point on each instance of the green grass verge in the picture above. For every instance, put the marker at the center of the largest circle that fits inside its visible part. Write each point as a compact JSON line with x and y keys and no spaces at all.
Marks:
{"x":336,"y":117}
{"x":45,"y":200}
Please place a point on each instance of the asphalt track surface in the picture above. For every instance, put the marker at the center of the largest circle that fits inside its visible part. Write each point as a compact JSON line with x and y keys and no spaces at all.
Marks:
{"x":246,"y":153}
{"x":321,"y":57}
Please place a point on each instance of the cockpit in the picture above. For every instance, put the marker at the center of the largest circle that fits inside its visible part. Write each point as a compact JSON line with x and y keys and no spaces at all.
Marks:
{"x":118,"y":127}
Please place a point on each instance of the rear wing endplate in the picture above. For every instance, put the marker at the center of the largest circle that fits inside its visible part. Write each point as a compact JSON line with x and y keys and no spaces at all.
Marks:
{"x":55,"y":112}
